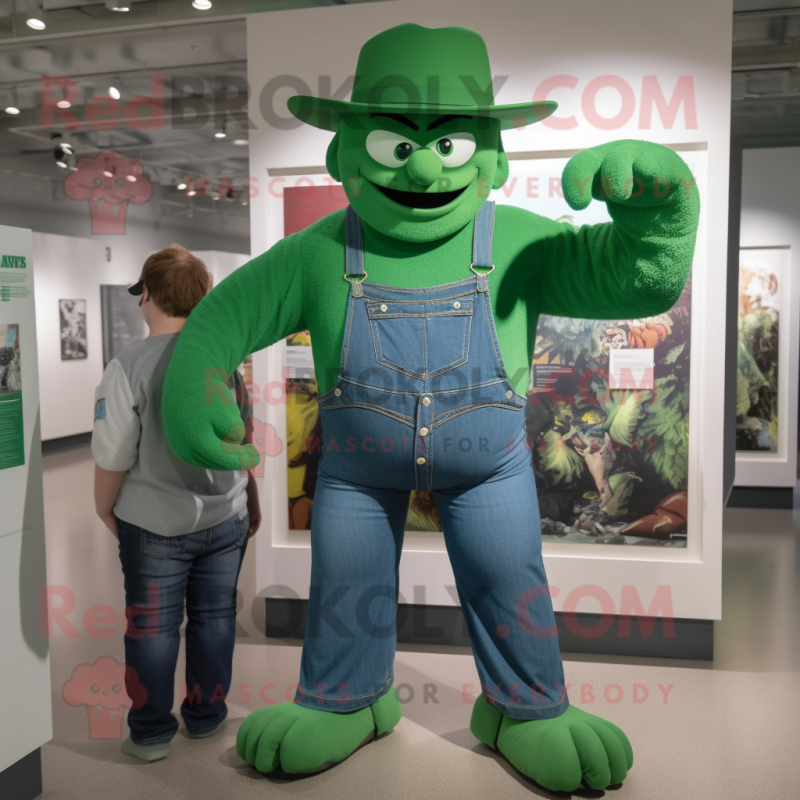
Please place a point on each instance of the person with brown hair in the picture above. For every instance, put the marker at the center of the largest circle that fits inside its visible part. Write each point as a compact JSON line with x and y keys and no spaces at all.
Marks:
{"x":182,"y":530}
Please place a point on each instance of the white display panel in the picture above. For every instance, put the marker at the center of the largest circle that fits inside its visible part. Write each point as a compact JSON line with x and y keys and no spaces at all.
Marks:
{"x":26,"y":721}
{"x":691,"y":578}
{"x":771,"y":223}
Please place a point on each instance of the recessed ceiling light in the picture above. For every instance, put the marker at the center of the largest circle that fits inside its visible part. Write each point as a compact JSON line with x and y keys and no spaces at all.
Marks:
{"x":36,"y":23}
{"x":12,"y":110}
{"x":241,"y":141}
{"x":63,"y":103}
{"x":201,"y":5}
{"x":219,"y":134}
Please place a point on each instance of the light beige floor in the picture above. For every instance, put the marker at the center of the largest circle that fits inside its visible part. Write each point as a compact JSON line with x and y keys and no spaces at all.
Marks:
{"x":728,"y":729}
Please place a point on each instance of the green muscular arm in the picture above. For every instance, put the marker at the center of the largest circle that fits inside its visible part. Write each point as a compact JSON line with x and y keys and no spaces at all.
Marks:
{"x":256,"y":306}
{"x":637,"y":265}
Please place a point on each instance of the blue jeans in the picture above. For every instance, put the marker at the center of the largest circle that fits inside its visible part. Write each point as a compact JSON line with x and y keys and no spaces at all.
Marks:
{"x":161,"y":573}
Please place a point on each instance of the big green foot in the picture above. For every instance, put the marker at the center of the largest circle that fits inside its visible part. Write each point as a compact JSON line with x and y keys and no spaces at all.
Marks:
{"x":558,"y":753}
{"x":293,"y":739}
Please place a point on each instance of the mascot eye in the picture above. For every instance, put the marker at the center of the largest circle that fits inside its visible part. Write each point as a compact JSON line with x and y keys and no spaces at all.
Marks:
{"x":454,"y":150}
{"x":116,"y":688}
{"x":390,"y":149}
{"x":94,"y":689}
{"x":119,"y":183}
{"x":97,"y":182}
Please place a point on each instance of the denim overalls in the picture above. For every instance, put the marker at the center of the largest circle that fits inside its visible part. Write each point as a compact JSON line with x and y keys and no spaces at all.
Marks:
{"x":422,"y":401}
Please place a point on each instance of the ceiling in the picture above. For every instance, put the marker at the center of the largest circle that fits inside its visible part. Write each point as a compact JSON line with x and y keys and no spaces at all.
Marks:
{"x":201,"y":56}
{"x":765,"y":109}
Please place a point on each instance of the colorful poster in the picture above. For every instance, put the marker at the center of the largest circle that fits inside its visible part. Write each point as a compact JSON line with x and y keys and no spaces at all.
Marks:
{"x":612,"y":464}
{"x":760,"y":284}
{"x":12,"y":440}
{"x":607,"y":418}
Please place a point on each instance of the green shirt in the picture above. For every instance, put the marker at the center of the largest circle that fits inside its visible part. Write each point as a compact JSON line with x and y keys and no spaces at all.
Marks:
{"x":632,"y":267}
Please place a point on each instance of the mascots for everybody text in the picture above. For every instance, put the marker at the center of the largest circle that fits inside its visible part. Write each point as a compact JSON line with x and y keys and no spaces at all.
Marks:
{"x":422,"y":300}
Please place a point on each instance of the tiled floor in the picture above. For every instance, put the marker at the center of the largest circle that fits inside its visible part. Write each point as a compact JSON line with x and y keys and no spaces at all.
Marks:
{"x":728,"y":729}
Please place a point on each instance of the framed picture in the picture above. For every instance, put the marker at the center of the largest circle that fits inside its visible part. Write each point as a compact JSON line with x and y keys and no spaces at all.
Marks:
{"x":123,"y":323}
{"x":72,"y":318}
{"x":763,"y":360}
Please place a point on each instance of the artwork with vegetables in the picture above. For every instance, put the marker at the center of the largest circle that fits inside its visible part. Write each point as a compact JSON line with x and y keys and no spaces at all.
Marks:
{"x":757,"y":373}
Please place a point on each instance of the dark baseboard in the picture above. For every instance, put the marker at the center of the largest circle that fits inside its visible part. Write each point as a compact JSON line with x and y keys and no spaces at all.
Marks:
{"x":23,"y":780}
{"x":66,"y":443}
{"x":582,"y":633}
{"x":760,"y":497}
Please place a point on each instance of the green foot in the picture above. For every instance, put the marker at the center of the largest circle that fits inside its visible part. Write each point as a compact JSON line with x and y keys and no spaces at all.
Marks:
{"x":295,"y":739}
{"x":558,"y":753}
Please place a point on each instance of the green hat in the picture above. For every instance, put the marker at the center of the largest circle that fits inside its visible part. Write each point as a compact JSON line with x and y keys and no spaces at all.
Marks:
{"x":419,"y":70}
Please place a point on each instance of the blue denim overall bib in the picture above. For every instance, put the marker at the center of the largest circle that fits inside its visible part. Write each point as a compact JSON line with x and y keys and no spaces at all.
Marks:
{"x":422,"y":401}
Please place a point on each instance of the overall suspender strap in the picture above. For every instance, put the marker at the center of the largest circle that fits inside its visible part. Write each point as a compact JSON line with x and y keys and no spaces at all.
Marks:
{"x":482,"y":245}
{"x":354,"y":271}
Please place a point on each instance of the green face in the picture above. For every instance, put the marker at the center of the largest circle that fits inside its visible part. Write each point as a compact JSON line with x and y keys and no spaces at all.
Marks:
{"x":417,"y":177}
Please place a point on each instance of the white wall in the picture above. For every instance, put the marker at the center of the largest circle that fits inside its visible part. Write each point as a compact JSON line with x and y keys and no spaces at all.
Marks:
{"x":530,"y":42}
{"x":771,"y":218}
{"x":68,"y":267}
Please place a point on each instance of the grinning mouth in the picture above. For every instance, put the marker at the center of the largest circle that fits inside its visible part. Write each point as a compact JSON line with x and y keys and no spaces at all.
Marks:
{"x":420,"y":199}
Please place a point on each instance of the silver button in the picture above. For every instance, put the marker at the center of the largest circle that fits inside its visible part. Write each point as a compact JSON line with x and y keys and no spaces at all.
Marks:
{"x":423,"y":431}
{"x":509,"y":394}
{"x":384,"y":307}
{"x":456,"y":304}
{"x":426,"y":401}
{"x":337,"y":391}
{"x":420,"y":460}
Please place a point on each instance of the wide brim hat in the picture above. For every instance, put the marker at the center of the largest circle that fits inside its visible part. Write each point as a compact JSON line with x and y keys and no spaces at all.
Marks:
{"x":410,"y":69}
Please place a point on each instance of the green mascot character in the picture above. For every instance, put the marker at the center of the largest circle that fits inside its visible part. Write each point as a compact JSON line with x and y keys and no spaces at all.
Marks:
{"x":422,"y":301}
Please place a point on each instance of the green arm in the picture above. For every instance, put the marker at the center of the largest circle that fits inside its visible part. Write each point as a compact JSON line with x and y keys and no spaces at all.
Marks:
{"x":637,"y":265}
{"x":256,"y":306}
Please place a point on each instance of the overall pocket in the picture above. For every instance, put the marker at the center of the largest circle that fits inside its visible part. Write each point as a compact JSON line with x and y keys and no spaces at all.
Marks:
{"x":423,"y":338}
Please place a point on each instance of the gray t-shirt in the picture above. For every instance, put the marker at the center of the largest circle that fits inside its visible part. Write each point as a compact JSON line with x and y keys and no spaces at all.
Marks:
{"x":160,"y":493}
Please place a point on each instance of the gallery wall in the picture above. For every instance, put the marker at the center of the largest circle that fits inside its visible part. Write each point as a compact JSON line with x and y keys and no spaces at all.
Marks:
{"x":668,"y":81}
{"x":70,"y":267}
{"x":771,"y":218}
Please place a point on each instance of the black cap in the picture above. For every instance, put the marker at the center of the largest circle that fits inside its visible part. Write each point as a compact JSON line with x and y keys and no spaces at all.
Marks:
{"x":137,"y":288}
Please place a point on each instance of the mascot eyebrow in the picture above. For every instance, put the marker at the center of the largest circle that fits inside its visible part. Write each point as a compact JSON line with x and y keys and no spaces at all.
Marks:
{"x":414,"y":126}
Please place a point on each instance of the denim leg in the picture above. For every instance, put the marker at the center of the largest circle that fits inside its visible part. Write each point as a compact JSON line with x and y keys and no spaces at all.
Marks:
{"x":211,"y":625}
{"x":493,"y":536}
{"x":351,"y":633}
{"x":156,"y":570}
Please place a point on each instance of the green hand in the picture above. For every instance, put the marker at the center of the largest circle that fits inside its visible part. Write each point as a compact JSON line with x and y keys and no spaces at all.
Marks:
{"x":629,"y":173}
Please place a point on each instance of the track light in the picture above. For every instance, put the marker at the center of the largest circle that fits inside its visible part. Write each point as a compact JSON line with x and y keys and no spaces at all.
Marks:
{"x":117,"y":5}
{"x":8,"y":101}
{"x":114,"y":92}
{"x":201,"y":5}
{"x":181,"y":187}
{"x":35,"y":15}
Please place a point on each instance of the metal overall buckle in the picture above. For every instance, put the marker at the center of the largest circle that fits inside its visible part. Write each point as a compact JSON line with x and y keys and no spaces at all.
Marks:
{"x":483,"y":282}
{"x":356,"y":284}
